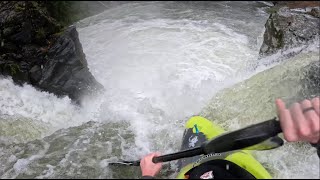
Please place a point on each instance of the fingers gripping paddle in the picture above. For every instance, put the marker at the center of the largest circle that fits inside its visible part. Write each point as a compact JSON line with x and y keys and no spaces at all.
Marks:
{"x":243,"y":138}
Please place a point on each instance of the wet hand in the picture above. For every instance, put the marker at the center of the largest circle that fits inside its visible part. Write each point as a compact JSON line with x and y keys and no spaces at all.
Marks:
{"x":149,"y":168}
{"x":301,"y":121}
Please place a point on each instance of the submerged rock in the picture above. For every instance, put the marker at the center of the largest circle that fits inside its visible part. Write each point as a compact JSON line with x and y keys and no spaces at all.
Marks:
{"x":311,"y":80}
{"x":253,"y":100}
{"x":78,"y":152}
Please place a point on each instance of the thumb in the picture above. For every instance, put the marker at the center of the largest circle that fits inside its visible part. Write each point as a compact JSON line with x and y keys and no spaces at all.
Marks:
{"x":157,"y":154}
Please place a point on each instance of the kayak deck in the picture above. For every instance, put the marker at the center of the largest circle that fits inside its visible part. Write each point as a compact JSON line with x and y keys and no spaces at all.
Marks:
{"x":198,"y":130}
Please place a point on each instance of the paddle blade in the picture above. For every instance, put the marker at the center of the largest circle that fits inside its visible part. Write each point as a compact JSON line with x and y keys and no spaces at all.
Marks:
{"x":243,"y":138}
{"x":268,"y":144}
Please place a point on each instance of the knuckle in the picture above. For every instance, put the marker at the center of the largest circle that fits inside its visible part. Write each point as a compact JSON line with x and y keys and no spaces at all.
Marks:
{"x":296,"y":104}
{"x":305,"y":102}
{"x":315,"y":123}
{"x":290,"y":138}
{"x":316,"y":99}
{"x":304,"y":131}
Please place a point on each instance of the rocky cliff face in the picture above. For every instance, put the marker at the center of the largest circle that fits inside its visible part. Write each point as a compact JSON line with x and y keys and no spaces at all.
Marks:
{"x":65,"y":72}
{"x":36,"y":49}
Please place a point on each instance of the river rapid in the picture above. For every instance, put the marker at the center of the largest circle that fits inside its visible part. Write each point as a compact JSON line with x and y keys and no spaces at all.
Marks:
{"x":160,"y":63}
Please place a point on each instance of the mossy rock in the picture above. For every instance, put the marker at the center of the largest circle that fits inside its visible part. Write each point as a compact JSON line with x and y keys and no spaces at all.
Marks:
{"x":19,"y":7}
{"x":273,"y":9}
{"x":10,"y":69}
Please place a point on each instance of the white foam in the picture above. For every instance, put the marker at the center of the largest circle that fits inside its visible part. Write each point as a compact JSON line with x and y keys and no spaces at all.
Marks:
{"x":27,"y":102}
{"x":159,"y":70}
{"x":21,"y":165}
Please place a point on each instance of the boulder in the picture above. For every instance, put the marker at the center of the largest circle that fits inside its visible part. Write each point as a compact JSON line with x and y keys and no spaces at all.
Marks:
{"x":36,"y":49}
{"x":291,"y":24}
{"x":288,"y":28}
{"x":65,"y":72}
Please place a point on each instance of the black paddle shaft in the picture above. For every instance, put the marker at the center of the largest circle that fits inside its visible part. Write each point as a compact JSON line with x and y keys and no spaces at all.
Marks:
{"x":164,"y":158}
{"x":243,"y":138}
{"x":178,"y":155}
{"x":235,"y":140}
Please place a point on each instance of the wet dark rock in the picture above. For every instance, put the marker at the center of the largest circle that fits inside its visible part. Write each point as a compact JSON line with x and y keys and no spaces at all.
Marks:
{"x":314,"y":12}
{"x":31,"y":53}
{"x":35,"y":74}
{"x":8,"y":31}
{"x":66,"y":72}
{"x":297,"y":4}
{"x":9,"y":47}
{"x":287,"y":28}
{"x":24,"y":36}
{"x":36,"y":49}
{"x":10,"y":68}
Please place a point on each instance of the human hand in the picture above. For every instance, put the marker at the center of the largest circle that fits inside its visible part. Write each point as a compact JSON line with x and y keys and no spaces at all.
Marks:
{"x":148,"y":168}
{"x":299,"y":124}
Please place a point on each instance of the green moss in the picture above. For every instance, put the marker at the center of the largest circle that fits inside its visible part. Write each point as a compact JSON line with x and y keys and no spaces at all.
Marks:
{"x":273,"y":9}
{"x":14,"y":68}
{"x":60,"y":32}
{"x":40,"y":33}
{"x":61,"y":11}
{"x":19,"y":7}
{"x":278,"y":35}
{"x":280,"y":38}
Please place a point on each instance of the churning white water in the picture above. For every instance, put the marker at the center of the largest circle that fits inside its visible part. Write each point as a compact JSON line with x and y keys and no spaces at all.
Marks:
{"x":160,"y":63}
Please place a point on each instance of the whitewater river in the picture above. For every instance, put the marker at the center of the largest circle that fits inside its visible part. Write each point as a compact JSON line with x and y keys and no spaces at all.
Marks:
{"x":160,"y":63}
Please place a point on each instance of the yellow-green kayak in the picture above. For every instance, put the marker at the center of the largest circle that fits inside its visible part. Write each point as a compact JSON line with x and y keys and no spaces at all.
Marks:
{"x":198,"y":130}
